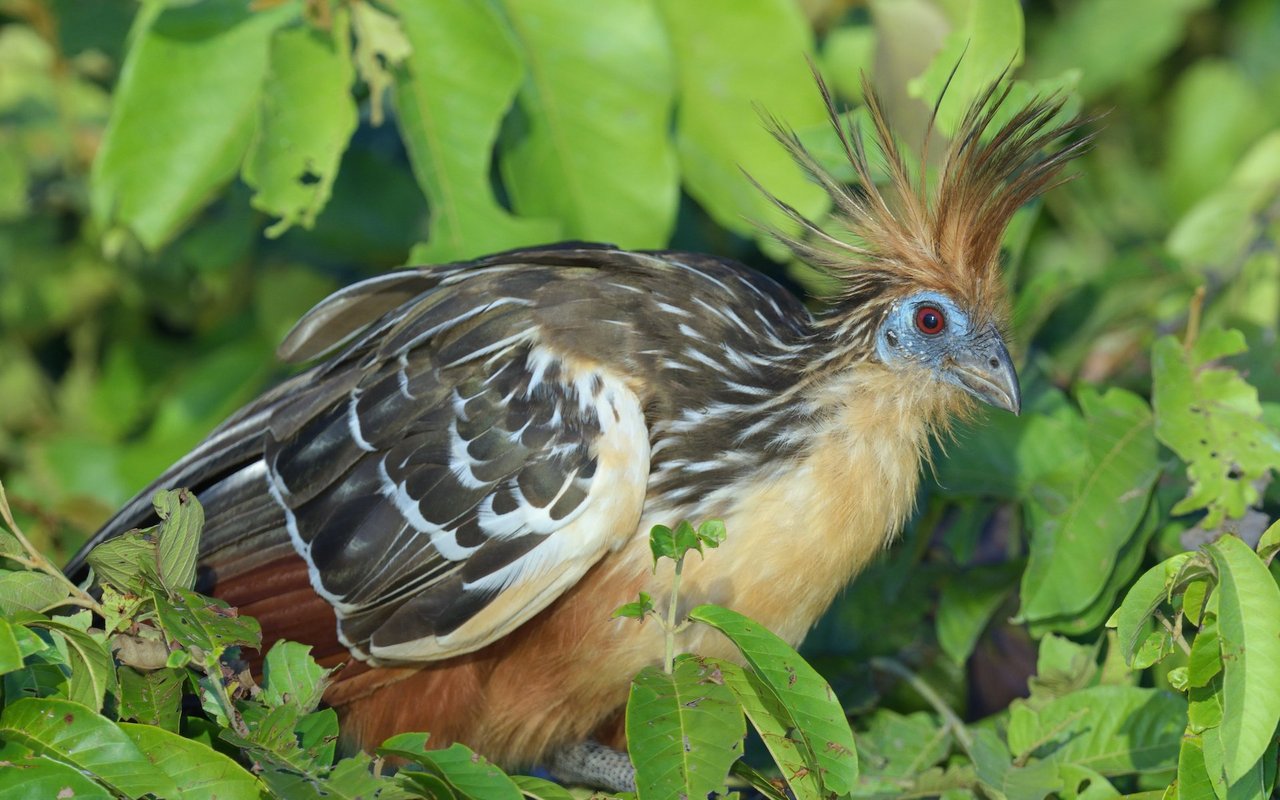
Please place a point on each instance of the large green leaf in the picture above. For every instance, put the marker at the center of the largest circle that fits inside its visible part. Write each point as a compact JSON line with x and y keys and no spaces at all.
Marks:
{"x":75,"y":735}
{"x":124,"y":560}
{"x":725,"y":76}
{"x":777,"y":729}
{"x":684,"y":730}
{"x":205,"y":622}
{"x":183,"y":114}
{"x":1074,"y":547}
{"x":1141,"y":601}
{"x":153,"y":697}
{"x":10,"y":653}
{"x":1216,"y":113}
{"x":43,"y":777}
{"x":200,"y":772}
{"x":967,"y":604}
{"x":93,"y":672}
{"x":819,"y":717}
{"x":292,"y":677}
{"x":451,"y":96}
{"x":1249,"y":630}
{"x":178,"y":539}
{"x":467,"y":773}
{"x":1113,"y":730}
{"x":29,"y":591}
{"x":1212,"y":419}
{"x":307,"y":118}
{"x":596,"y":104}
{"x":1227,"y":221}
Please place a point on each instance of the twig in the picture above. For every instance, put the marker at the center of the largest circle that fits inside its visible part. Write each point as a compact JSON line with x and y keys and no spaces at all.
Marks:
{"x":1175,"y":632}
{"x":930,"y":696}
{"x":35,"y":560}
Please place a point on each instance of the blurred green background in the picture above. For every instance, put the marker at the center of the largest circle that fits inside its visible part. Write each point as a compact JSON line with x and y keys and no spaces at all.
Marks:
{"x":180,"y":180}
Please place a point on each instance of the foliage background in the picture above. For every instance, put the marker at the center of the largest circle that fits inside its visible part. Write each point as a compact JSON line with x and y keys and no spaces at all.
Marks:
{"x":180,"y":180}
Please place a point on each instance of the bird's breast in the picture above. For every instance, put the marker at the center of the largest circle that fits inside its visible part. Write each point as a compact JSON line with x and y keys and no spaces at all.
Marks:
{"x":801,"y":529}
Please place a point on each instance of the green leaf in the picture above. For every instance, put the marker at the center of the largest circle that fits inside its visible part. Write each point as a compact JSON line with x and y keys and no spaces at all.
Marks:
{"x":1112,"y":42}
{"x":724,"y":77}
{"x":1249,"y":629}
{"x":30,"y":591}
{"x":153,"y":697}
{"x":1114,"y":730}
{"x":292,"y":677}
{"x":381,"y":46}
{"x":539,"y":789}
{"x":1193,"y":778}
{"x":93,"y":672}
{"x":469,"y":774}
{"x":1074,"y":548}
{"x":981,"y":48}
{"x":967,"y":604}
{"x":318,"y":736}
{"x":712,"y":533}
{"x":73,"y":734}
{"x":1269,"y":544}
{"x":596,"y":152}
{"x":820,"y":719}
{"x":178,"y":538}
{"x":43,"y":777}
{"x":1211,"y":418}
{"x":777,"y":728}
{"x":673,"y":544}
{"x":902,"y":745}
{"x":183,"y":113}
{"x":684,"y":730}
{"x":1143,"y":598}
{"x":11,"y":655}
{"x":636,"y":609}
{"x":1128,"y":560}
{"x":200,"y":772}
{"x":1215,"y":114}
{"x":307,"y":118}
{"x":205,"y":622}
{"x":451,"y":96}
{"x":123,"y":561}
{"x":1205,"y":660}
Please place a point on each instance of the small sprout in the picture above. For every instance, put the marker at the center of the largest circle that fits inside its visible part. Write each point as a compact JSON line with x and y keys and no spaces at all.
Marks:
{"x":676,"y":544}
{"x":635,"y":610}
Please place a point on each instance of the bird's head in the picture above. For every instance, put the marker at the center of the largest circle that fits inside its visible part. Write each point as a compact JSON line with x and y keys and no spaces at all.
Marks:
{"x":921,"y":291}
{"x":928,"y":332}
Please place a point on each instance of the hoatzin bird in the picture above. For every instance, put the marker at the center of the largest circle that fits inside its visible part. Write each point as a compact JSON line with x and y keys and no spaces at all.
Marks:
{"x":458,"y":493}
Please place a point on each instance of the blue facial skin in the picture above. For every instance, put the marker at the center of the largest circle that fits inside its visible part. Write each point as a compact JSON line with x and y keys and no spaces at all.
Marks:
{"x":974,"y":359}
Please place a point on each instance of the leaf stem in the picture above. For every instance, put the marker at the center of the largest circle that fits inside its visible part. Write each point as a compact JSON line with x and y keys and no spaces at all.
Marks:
{"x":930,"y":696}
{"x":35,"y":560}
{"x":212,"y":666}
{"x":1175,"y":632}
{"x":669,"y":630}
{"x":1193,"y":319}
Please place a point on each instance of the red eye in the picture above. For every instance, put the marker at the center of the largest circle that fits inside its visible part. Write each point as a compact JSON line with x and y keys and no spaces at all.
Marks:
{"x":930,"y":320}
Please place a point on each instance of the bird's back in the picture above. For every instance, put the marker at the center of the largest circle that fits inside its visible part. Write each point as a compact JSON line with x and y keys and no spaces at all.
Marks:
{"x":427,"y":467}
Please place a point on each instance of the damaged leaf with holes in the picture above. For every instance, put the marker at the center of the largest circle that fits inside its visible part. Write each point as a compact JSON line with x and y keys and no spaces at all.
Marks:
{"x":1210,"y":416}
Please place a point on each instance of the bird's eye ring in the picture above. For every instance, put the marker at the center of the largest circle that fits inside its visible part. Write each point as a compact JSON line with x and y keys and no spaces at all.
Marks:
{"x":930,"y":320}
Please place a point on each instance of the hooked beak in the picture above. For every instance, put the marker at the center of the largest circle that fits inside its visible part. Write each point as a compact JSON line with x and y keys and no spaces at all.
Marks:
{"x":985,"y":371}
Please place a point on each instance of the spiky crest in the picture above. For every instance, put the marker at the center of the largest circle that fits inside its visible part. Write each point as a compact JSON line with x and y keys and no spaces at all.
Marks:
{"x":909,"y":236}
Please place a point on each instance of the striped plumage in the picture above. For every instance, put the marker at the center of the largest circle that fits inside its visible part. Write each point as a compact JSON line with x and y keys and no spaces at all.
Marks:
{"x":459,"y":492}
